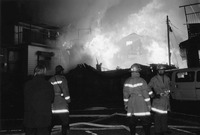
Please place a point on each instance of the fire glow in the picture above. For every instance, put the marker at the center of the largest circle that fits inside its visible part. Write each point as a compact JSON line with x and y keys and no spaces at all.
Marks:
{"x":102,"y":47}
{"x":141,"y":38}
{"x":105,"y":46}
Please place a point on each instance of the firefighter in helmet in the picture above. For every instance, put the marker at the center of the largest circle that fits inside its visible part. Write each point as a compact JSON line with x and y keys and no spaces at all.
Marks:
{"x":137,"y":100}
{"x":61,"y":102}
{"x":160,"y":84}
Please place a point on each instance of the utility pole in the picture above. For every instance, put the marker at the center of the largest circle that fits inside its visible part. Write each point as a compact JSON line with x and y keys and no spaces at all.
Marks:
{"x":168,"y":39}
{"x":0,"y":73}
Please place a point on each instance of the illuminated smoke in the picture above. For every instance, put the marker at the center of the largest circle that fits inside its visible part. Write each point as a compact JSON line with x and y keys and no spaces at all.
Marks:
{"x":102,"y":47}
{"x":131,"y":36}
{"x":150,"y":23}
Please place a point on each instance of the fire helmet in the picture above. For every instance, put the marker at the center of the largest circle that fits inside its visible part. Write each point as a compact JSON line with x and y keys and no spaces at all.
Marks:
{"x":135,"y":68}
{"x":161,"y":67}
{"x":59,"y":69}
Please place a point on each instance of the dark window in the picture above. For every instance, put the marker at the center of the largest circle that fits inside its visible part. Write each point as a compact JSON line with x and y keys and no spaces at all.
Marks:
{"x":198,"y":76}
{"x":186,"y":76}
{"x":44,"y":58}
{"x":13,"y":61}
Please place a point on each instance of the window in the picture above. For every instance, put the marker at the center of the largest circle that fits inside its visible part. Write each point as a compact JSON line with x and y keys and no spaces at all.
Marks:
{"x":186,"y":76}
{"x":198,"y":76}
{"x":44,"y":58}
{"x":18,"y":34}
{"x":13,"y":61}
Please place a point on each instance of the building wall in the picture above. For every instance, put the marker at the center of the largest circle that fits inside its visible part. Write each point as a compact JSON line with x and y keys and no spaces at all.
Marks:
{"x":51,"y":63}
{"x":192,"y":47}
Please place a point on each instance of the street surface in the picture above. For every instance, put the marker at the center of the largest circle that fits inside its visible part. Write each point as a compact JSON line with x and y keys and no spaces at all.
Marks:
{"x":88,"y":123}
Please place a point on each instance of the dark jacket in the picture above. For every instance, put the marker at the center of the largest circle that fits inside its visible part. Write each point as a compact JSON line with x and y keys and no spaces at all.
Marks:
{"x":38,"y":97}
{"x":161,"y":87}
{"x":62,"y":96}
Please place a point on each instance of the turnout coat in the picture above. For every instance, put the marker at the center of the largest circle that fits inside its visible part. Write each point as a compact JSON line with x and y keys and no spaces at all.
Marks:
{"x":161,"y":87}
{"x":62,"y":96}
{"x":136,"y":97}
{"x":38,"y":97}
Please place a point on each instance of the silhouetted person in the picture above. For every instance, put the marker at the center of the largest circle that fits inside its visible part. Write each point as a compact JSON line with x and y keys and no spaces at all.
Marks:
{"x":38,"y":97}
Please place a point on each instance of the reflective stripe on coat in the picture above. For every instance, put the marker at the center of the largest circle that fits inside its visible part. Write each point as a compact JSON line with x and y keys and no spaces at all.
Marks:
{"x":160,"y":86}
{"x":136,"y":96}
{"x":62,"y":96}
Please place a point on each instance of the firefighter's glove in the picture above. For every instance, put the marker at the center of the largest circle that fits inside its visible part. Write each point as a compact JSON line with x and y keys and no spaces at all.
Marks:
{"x":167,"y":92}
{"x":164,"y":94}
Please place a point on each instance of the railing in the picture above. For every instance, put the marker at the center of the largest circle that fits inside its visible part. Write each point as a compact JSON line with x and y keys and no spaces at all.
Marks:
{"x":28,"y":34}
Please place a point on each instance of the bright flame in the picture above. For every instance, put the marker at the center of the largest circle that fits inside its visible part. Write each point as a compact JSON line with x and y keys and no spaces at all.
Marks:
{"x":157,"y":54}
{"x":141,"y":38}
{"x":102,"y":47}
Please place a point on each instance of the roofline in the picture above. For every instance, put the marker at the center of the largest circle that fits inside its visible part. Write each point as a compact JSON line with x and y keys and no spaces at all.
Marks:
{"x":183,"y":69}
{"x":185,"y":43}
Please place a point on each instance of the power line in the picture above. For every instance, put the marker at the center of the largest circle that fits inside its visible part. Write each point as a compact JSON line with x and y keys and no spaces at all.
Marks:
{"x":175,"y":26}
{"x":176,"y":59}
{"x":179,"y":30}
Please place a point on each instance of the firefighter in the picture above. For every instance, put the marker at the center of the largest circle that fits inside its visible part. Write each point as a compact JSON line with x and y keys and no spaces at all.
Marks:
{"x":160,"y":84}
{"x":137,"y":101}
{"x":60,"y":107}
{"x":38,"y":97}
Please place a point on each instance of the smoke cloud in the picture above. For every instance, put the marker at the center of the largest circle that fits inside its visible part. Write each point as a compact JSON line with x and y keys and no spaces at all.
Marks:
{"x":116,"y":33}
